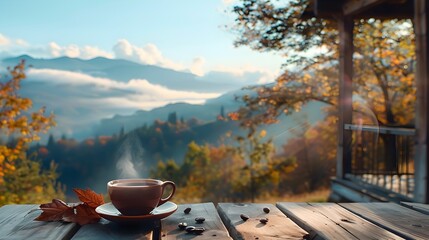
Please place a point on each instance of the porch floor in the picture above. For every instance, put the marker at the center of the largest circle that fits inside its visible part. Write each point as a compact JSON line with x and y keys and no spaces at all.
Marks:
{"x":286,"y":220}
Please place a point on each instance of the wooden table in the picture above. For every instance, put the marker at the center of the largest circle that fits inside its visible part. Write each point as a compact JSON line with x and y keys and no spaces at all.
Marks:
{"x":285,"y":221}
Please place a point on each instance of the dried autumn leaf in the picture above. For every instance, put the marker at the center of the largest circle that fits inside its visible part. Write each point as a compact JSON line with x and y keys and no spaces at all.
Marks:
{"x":84,"y":214}
{"x":89,"y":197}
{"x":57,"y":210}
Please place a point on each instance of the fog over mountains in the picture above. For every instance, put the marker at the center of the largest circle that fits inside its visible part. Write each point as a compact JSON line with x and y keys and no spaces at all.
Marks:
{"x":101,"y":95}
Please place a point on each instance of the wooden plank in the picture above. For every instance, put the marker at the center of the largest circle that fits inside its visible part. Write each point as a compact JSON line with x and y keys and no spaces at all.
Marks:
{"x":278,"y":226}
{"x":169,"y":230}
{"x":355,"y":225}
{"x":111,"y":231}
{"x":345,"y":27}
{"x":353,"y":7}
{"x":421,"y":25}
{"x":349,"y":191}
{"x":331,"y":221}
{"x":318,"y":225}
{"x":420,"y":207}
{"x":215,"y":229}
{"x":402,"y":221}
{"x":17,"y":222}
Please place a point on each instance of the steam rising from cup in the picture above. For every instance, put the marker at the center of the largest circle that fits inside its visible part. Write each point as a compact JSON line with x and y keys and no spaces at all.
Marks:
{"x":129,"y":163}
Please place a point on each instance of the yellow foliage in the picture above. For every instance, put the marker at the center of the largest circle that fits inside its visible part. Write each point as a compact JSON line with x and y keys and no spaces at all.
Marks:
{"x":21,"y":179}
{"x":14,"y":121}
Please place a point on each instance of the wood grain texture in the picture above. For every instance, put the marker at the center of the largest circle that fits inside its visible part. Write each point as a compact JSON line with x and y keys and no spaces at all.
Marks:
{"x":17,"y":222}
{"x":352,"y":7}
{"x":318,"y":224}
{"x":402,"y":221}
{"x":344,"y":155}
{"x":215,"y":229}
{"x":358,"y":227}
{"x":421,"y":172}
{"x":169,"y":230}
{"x":420,"y":207}
{"x":106,"y":230}
{"x":278,"y":226}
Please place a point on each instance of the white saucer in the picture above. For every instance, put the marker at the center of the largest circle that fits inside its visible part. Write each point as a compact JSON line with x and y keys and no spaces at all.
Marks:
{"x":109,"y":212}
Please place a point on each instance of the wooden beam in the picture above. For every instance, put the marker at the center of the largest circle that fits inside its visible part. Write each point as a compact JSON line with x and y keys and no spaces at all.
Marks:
{"x":353,"y":7}
{"x":360,"y":9}
{"x":326,"y":8}
{"x":403,"y":10}
{"x":421,"y":28}
{"x":345,"y":27}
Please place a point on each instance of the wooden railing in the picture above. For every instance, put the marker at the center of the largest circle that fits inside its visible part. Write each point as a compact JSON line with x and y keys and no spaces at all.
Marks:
{"x":384,"y":157}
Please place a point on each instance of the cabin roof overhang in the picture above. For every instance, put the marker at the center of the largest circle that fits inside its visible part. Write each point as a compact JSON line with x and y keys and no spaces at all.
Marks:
{"x":360,"y":9}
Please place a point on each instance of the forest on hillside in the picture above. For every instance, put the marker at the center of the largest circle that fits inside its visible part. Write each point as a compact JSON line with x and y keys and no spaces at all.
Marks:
{"x":232,"y":165}
{"x":180,"y":150}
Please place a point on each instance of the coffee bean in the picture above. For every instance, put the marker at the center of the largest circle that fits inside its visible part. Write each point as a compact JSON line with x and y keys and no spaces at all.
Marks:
{"x":198,"y":230}
{"x":190,"y":229}
{"x":200,"y":219}
{"x":182,"y":225}
{"x":244,"y":217}
{"x":187,"y":210}
{"x":266,"y":210}
{"x":263,"y":220}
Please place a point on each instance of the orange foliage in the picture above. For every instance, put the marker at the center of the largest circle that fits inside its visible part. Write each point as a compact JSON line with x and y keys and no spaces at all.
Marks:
{"x":16,"y":121}
{"x":104,"y":139}
{"x":89,"y":142}
{"x":43,"y":151}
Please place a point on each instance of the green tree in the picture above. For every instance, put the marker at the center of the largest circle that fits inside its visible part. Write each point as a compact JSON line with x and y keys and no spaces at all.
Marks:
{"x":167,"y":171}
{"x":172,"y":118}
{"x":262,"y":169}
{"x":30,"y":184}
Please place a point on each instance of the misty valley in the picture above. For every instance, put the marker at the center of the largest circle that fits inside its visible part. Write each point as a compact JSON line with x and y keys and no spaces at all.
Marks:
{"x":169,"y":141}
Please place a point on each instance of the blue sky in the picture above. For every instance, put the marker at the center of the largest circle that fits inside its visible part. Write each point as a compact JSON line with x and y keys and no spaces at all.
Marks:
{"x":183,"y":35}
{"x":186,"y":35}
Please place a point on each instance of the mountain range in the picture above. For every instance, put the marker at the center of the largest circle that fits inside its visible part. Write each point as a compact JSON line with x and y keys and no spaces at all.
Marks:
{"x":100,"y":96}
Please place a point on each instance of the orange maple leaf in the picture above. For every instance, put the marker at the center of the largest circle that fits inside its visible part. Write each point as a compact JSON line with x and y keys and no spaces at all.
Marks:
{"x":54,"y":211}
{"x":89,"y":197}
{"x":84,"y":214}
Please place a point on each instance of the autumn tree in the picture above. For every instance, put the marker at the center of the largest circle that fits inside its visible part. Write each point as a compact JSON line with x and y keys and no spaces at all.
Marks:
{"x":384,"y":57}
{"x":261,"y":168}
{"x":312,"y":147}
{"x":21,"y":179}
{"x":206,"y":173}
{"x":383,"y":88}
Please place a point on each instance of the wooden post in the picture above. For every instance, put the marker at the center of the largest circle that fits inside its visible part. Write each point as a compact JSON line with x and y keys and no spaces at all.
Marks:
{"x":421,"y":23}
{"x":344,"y":155}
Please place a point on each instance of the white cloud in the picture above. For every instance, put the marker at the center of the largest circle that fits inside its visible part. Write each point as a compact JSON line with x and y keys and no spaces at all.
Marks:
{"x":4,"y":40}
{"x":10,"y":47}
{"x":21,"y":42}
{"x":138,"y":93}
{"x":197,"y":66}
{"x":74,"y":51}
{"x":266,"y":75}
{"x":228,"y":2}
{"x":148,"y":54}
